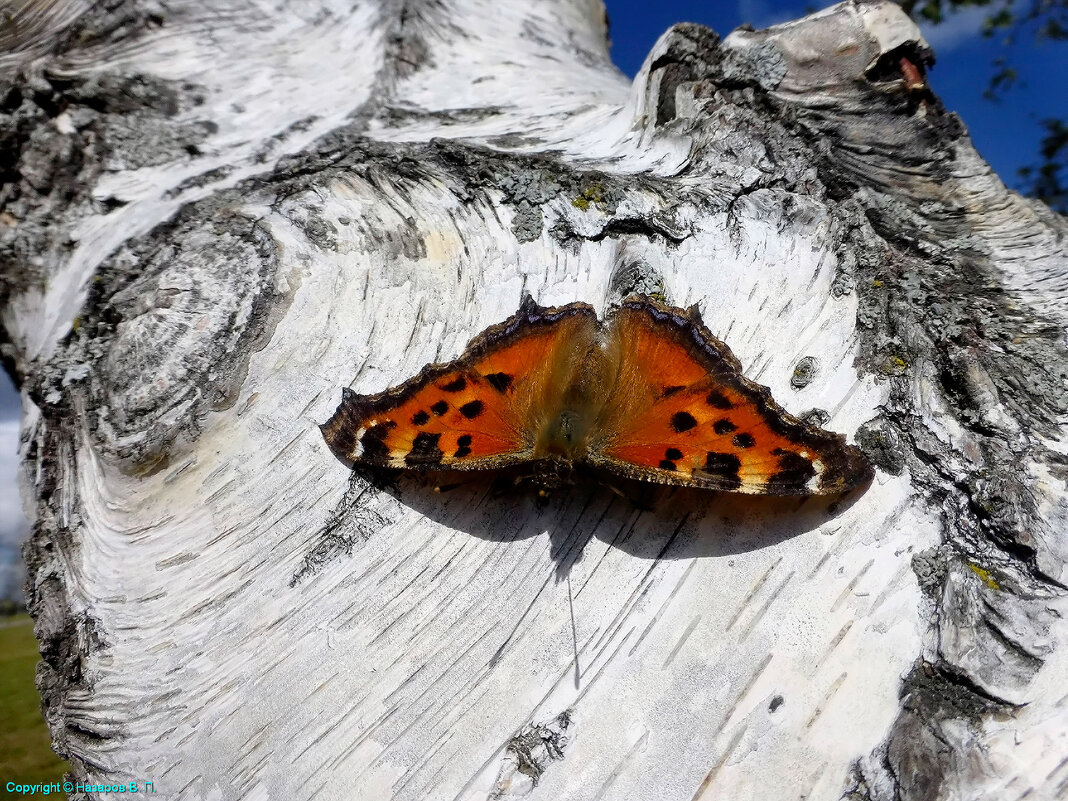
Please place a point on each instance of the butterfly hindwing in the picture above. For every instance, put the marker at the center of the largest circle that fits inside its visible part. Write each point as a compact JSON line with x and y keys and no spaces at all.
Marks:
{"x":472,"y":413}
{"x":684,"y":414}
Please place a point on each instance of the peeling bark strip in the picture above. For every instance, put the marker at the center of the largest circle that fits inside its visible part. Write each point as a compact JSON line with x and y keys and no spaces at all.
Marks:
{"x":530,"y":753}
{"x":198,"y":250}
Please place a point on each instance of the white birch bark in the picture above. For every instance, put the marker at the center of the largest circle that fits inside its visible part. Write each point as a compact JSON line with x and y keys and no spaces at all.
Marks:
{"x":217,"y":216}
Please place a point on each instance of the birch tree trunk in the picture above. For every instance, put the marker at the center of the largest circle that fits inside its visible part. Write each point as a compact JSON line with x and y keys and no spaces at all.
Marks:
{"x":215,"y":216}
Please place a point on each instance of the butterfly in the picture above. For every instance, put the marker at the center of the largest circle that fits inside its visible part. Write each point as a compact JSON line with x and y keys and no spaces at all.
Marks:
{"x":647,"y":394}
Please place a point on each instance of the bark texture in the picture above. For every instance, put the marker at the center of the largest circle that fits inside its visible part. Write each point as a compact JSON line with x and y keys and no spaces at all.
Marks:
{"x":213,"y":219}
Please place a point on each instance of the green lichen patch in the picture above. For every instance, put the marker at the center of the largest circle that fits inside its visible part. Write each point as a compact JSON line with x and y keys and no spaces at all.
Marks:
{"x":985,"y":575}
{"x":592,"y":194}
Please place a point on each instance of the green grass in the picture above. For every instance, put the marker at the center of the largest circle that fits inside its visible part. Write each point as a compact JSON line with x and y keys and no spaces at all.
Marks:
{"x":26,"y":755}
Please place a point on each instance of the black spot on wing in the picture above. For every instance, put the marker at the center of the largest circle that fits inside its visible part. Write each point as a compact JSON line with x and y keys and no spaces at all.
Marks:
{"x":455,"y":385}
{"x":472,"y":409}
{"x":723,"y":466}
{"x":794,"y":469}
{"x":420,"y":418}
{"x":440,"y":408}
{"x":667,"y":465}
{"x":373,"y":442}
{"x":499,"y":381}
{"x":463,"y":446}
{"x":682,"y":421}
{"x":724,"y":426}
{"x":718,"y":400}
{"x":743,"y":441}
{"x":424,"y":450}
{"x":673,"y":454}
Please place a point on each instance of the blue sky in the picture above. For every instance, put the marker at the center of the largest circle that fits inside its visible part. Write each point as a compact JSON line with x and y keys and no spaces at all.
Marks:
{"x":1005,"y":133}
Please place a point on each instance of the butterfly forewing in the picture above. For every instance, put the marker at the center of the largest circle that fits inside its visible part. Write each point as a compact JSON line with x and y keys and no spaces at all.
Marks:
{"x":473,"y":413}
{"x":683,"y":414}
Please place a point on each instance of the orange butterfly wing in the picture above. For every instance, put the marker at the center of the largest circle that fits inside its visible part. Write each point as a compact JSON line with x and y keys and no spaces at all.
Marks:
{"x":476,"y":412}
{"x":682,"y":413}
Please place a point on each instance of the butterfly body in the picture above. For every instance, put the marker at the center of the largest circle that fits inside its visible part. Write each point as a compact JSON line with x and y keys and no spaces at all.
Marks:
{"x":647,"y":394}
{"x":564,"y":437}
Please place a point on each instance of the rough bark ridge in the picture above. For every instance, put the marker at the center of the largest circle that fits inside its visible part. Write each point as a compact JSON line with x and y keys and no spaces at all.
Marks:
{"x":214,"y":219}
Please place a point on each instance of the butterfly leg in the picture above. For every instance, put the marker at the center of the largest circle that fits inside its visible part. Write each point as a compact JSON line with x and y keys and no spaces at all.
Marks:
{"x":630,"y":497}
{"x":545,"y":476}
{"x":440,"y":488}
